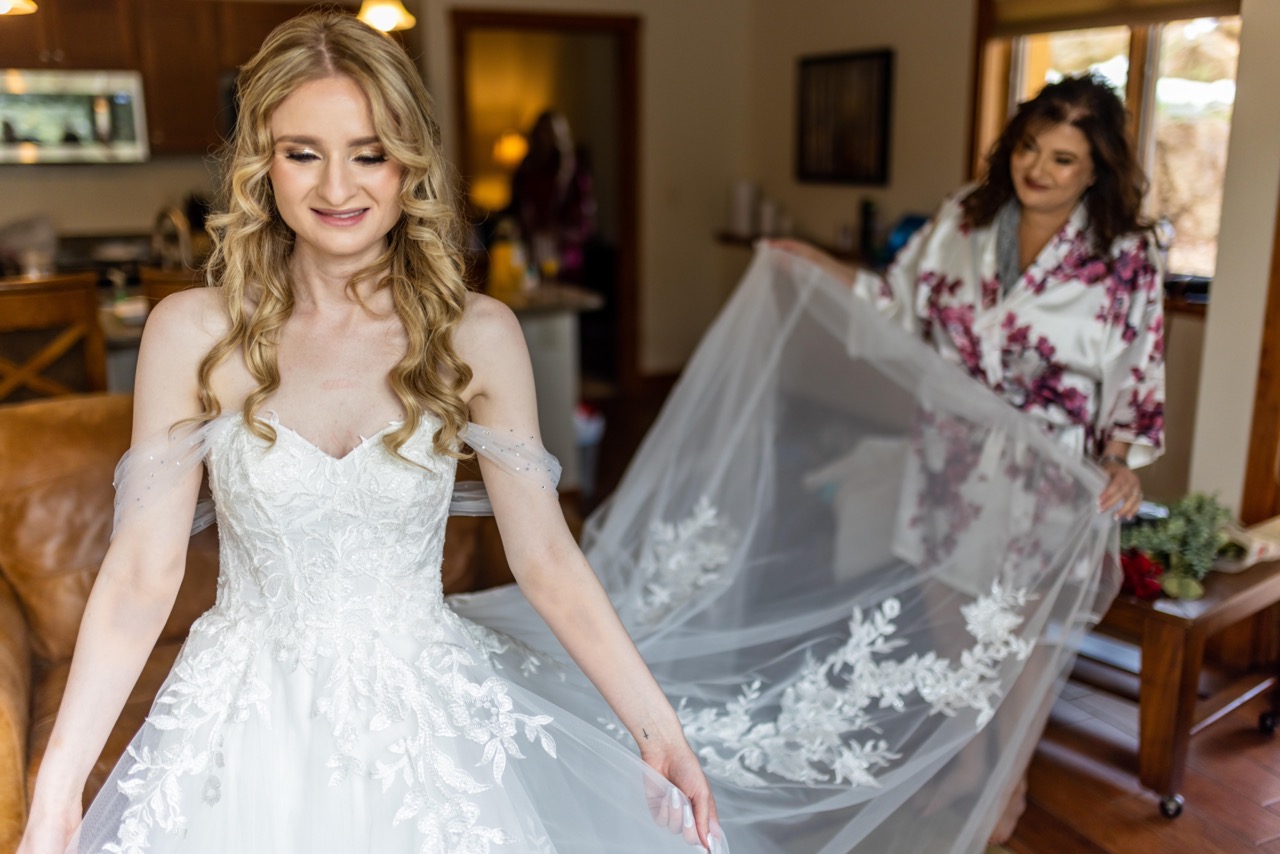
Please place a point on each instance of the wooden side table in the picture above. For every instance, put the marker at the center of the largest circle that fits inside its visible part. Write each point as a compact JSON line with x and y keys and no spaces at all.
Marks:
{"x":1178,"y":691}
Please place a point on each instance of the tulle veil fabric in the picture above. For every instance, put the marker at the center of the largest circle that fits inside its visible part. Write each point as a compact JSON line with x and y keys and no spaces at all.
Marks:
{"x":860,"y":576}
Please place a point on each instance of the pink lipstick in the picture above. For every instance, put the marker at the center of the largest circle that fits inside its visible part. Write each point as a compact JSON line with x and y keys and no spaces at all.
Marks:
{"x":341,"y":218}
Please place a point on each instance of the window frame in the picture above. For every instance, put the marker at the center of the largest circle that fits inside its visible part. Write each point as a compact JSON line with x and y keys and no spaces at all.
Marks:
{"x":998,"y":68}
{"x":996,"y":75}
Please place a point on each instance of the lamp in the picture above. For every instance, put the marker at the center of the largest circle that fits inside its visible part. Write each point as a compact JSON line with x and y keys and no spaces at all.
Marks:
{"x":385,"y":15}
{"x":510,"y":149}
{"x":17,"y":7}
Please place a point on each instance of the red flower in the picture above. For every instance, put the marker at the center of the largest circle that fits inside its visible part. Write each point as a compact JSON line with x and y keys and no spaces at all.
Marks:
{"x":1141,"y":574}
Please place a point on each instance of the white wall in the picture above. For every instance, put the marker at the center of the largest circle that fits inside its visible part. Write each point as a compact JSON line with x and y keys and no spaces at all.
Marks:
{"x":1233,"y":334}
{"x":933,"y":67}
{"x":1166,"y":479}
{"x":693,"y":117}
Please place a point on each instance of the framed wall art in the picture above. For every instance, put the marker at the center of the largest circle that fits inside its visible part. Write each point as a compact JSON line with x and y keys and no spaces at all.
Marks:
{"x":842,"y":127}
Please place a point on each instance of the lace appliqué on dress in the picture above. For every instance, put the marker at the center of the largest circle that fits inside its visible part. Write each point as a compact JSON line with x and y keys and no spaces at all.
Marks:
{"x":482,"y":713}
{"x":336,"y":605}
{"x":681,"y":559}
{"x":438,"y":693}
{"x":807,"y":735}
{"x":208,"y":690}
{"x":495,"y":646}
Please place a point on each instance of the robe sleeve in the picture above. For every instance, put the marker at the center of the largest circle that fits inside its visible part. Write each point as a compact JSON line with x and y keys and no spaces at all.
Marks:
{"x":893,"y":292}
{"x":1133,"y":393}
{"x":897,"y":292}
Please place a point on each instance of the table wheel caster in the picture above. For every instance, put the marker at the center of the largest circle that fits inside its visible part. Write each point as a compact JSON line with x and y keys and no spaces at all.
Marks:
{"x":1267,"y":722}
{"x":1171,"y":806}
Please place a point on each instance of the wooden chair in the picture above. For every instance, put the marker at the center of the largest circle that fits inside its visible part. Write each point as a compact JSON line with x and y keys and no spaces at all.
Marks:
{"x":51,"y":342}
{"x":158,"y":284}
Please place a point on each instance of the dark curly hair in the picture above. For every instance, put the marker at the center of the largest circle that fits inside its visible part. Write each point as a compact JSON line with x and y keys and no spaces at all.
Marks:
{"x":1086,"y":102}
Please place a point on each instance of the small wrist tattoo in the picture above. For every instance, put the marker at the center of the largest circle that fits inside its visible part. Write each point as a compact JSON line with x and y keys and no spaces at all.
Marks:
{"x":645,"y":733}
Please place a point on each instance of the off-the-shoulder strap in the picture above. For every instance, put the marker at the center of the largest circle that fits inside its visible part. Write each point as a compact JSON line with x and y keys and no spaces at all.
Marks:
{"x":153,"y":468}
{"x":150,"y":471}
{"x":521,"y":456}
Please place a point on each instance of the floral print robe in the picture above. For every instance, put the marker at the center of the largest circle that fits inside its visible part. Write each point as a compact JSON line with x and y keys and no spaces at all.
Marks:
{"x":1077,"y":342}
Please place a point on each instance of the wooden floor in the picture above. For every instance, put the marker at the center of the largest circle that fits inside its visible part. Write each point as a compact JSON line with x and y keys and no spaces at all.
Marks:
{"x":1085,"y":796}
{"x":1084,"y":793}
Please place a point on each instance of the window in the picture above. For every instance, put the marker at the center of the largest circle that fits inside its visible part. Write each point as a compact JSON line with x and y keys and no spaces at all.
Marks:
{"x":1048,"y":57}
{"x":1190,"y":124}
{"x":1178,"y":80}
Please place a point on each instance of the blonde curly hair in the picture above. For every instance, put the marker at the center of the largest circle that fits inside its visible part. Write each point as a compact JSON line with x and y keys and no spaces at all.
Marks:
{"x":422,"y":265}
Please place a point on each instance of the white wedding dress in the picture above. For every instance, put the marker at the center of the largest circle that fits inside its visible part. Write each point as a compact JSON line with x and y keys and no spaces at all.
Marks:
{"x":331,"y":701}
{"x":858,"y":575}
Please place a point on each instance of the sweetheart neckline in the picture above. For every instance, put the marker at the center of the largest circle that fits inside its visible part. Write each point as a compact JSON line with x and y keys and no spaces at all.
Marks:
{"x":274,"y":419}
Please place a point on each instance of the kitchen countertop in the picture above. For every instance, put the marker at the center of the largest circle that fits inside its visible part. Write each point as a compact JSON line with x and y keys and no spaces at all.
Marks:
{"x":546,"y":298}
{"x":118,"y":334}
{"x":550,"y":297}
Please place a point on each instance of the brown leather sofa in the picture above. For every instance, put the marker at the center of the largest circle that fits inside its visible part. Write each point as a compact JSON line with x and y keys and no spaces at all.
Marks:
{"x":56,"y":464}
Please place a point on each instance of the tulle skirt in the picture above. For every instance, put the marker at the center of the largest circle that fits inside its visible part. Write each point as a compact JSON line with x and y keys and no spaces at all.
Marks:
{"x":450,"y":751}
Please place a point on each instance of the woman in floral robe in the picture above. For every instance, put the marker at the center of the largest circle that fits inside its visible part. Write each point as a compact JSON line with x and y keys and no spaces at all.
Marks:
{"x":1043,"y":283}
{"x":1076,"y":340}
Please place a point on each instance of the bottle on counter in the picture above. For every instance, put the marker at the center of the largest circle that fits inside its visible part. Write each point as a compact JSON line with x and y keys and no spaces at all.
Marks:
{"x":868,"y":228}
{"x":508,"y":266}
{"x":119,"y":284}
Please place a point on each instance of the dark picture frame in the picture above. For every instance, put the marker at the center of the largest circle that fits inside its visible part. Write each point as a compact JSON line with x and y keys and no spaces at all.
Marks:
{"x":842,"y":127}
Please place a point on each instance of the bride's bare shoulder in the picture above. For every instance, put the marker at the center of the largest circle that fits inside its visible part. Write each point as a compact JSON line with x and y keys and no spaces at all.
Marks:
{"x":180,"y":331}
{"x":487,"y":328}
{"x":193,"y":319}
{"x":490,"y":341}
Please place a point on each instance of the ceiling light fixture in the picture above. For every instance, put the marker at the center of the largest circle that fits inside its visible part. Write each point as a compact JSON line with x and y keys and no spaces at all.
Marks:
{"x":385,"y":15}
{"x":17,"y":7}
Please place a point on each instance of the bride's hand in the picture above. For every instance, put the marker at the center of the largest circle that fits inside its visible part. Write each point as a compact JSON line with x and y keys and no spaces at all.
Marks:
{"x":51,"y":833}
{"x":687,"y":806}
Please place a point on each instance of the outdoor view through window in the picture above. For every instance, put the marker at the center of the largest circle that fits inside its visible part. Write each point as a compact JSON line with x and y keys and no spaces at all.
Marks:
{"x":1187,"y":116}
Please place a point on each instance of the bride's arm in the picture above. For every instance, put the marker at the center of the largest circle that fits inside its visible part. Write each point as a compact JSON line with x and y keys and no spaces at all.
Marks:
{"x":551,"y":569}
{"x":134,"y":590}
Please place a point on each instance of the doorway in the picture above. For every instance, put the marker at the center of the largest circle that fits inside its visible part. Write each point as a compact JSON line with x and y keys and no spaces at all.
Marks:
{"x":509,"y":69}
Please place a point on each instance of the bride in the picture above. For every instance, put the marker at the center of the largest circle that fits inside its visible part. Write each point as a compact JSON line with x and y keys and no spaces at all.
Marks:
{"x":834,"y":551}
{"x":344,"y":342}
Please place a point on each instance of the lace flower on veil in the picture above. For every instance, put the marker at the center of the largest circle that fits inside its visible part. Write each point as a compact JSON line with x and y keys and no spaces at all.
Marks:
{"x":808,"y":733}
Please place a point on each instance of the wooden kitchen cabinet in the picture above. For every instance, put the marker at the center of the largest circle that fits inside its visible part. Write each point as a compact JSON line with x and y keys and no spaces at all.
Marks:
{"x":76,"y":34}
{"x":187,"y":50}
{"x":242,"y":27}
{"x":23,"y":40}
{"x":93,"y":33}
{"x":178,"y":54}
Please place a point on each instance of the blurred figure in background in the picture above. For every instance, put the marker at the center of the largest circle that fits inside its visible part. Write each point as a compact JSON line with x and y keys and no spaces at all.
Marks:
{"x":552,"y":199}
